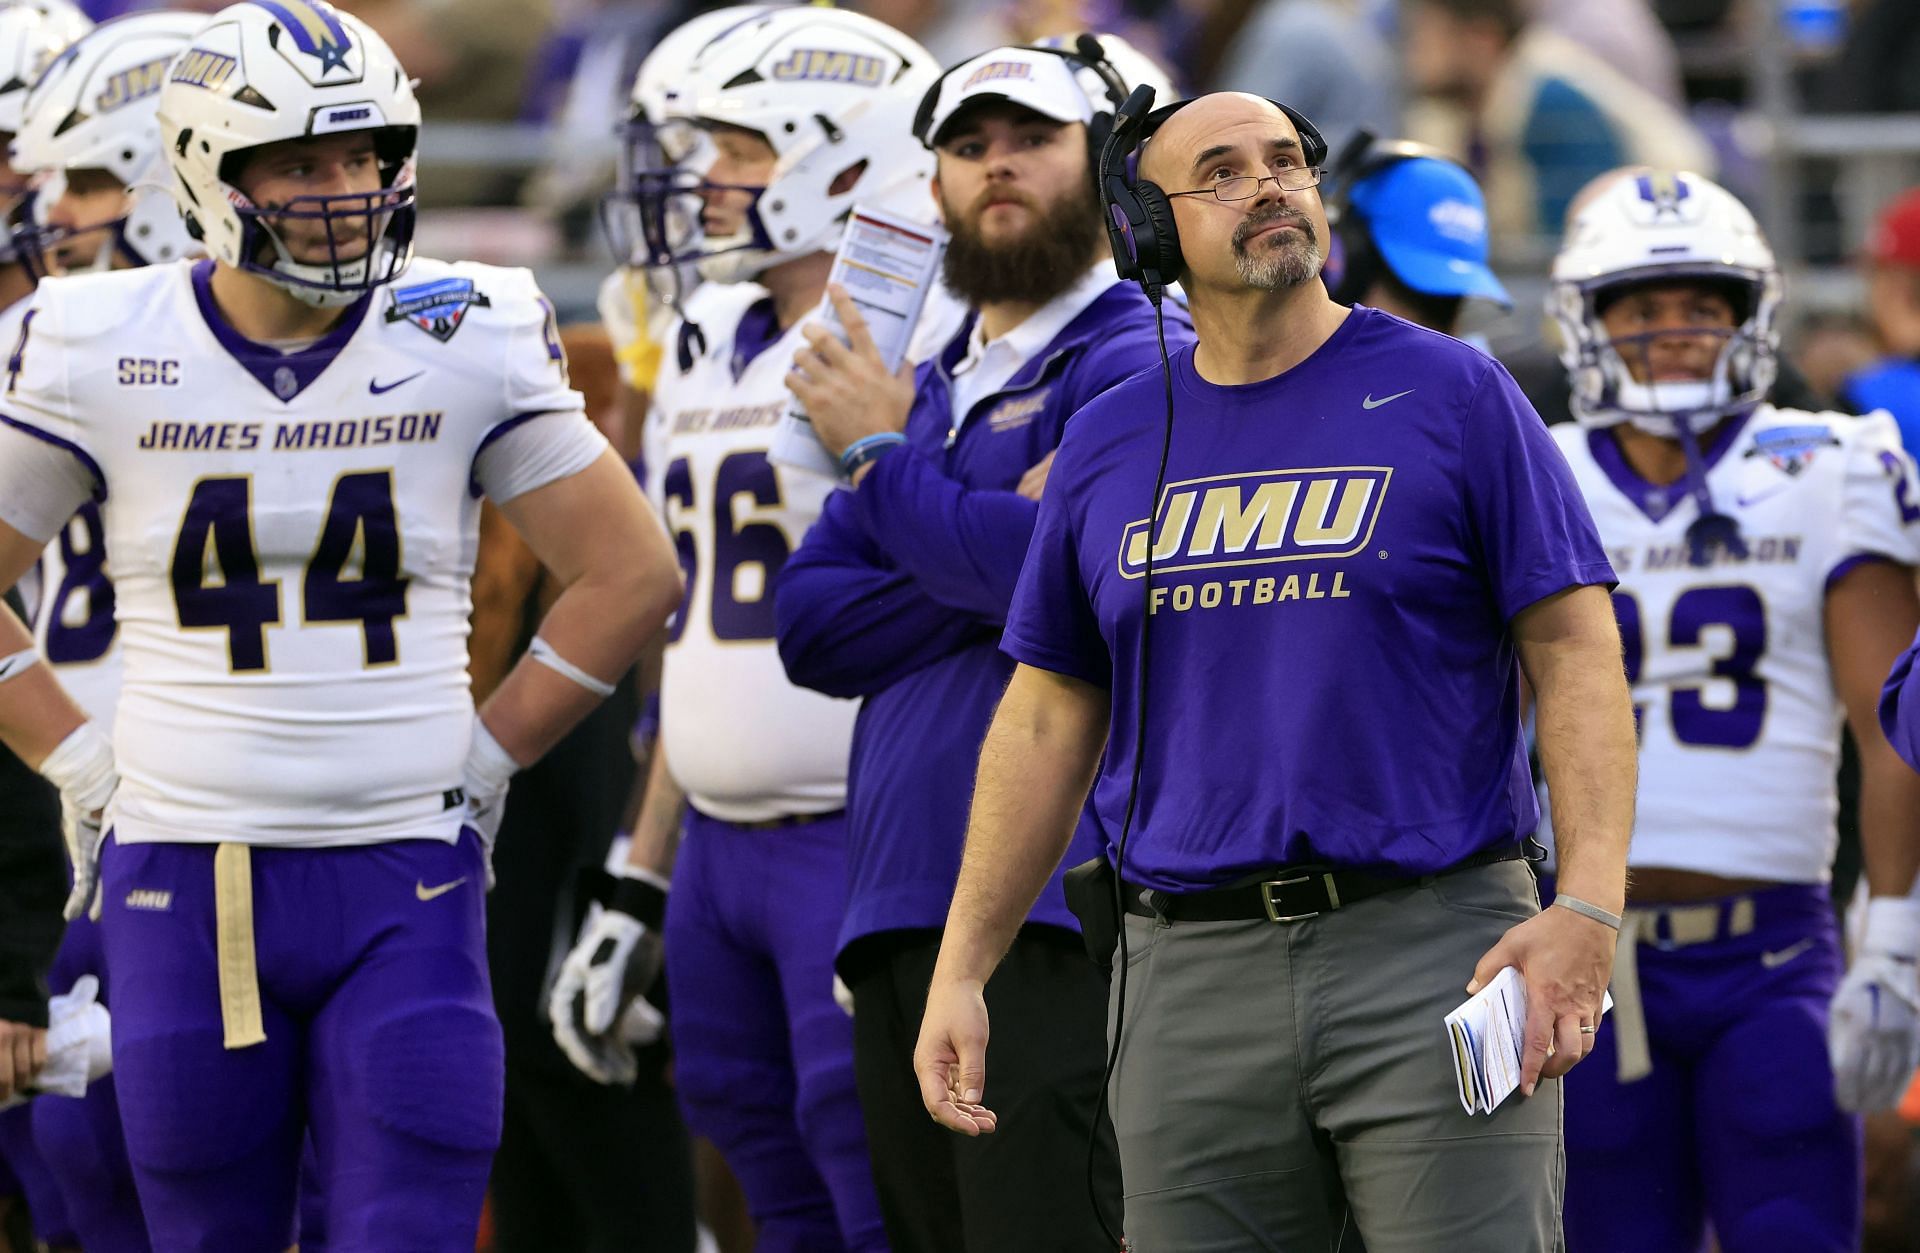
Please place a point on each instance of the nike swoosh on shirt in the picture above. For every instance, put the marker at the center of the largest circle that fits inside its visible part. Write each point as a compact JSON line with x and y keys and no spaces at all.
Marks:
{"x":426,"y":893}
{"x":1371,"y":403}
{"x":378,"y":388}
{"x":1744,"y":501}
{"x":1780,"y":957}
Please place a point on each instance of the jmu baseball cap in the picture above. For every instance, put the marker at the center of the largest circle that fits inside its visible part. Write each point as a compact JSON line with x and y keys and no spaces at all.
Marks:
{"x":1042,"y":81}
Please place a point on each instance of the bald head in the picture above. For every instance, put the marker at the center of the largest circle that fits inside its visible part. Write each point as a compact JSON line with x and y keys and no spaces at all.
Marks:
{"x":1224,"y":120}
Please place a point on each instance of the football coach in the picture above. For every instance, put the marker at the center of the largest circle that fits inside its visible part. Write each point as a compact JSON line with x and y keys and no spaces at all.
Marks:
{"x":1304,"y":666}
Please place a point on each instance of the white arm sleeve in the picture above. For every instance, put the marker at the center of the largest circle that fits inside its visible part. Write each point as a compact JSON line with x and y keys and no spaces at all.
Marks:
{"x":41,"y":484}
{"x":534,"y":451}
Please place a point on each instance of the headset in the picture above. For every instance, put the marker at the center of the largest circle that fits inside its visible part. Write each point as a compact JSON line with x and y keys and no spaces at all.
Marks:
{"x":1086,"y":53}
{"x":1146,"y":250}
{"x":1140,"y":226}
{"x":1359,"y":260}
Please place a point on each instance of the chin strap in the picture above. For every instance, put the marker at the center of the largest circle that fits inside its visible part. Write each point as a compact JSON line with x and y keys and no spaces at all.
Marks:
{"x":1712,"y":529}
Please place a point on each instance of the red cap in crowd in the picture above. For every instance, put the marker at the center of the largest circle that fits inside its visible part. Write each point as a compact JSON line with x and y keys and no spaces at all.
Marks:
{"x":1896,"y":235}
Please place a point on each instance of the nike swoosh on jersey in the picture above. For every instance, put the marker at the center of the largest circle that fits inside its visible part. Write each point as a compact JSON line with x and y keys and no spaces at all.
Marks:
{"x":426,"y":893}
{"x":1371,"y":403}
{"x":1745,"y":501}
{"x":379,"y":389}
{"x":1780,"y":957}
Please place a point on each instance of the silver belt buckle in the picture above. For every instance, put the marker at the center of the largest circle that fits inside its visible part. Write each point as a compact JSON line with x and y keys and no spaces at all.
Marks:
{"x":1273,"y":913}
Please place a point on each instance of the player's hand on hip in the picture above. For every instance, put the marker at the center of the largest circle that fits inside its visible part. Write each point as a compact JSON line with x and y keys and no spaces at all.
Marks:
{"x":81,"y":766}
{"x":950,"y":1061}
{"x":1873,"y":1033}
{"x":23,"y":1051}
{"x":845,"y":388}
{"x":485,"y":777}
{"x":1565,"y":959}
{"x":598,"y":1005}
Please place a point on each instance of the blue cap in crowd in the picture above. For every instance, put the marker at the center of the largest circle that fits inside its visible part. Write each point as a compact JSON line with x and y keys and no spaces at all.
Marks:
{"x":1428,"y":220}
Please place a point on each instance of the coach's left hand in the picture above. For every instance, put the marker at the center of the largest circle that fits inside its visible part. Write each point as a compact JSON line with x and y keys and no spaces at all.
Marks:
{"x":1566,"y":959}
{"x":846,"y":389}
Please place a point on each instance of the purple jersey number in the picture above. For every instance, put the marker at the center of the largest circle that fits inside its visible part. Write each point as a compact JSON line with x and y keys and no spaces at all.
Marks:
{"x":1736,"y":608}
{"x":85,"y":574}
{"x":1902,"y":487}
{"x":736,"y":546}
{"x":239,"y":602}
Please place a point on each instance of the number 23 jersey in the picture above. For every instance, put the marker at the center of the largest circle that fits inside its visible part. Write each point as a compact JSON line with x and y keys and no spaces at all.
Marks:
{"x":292,"y":535}
{"x":1733,"y":692}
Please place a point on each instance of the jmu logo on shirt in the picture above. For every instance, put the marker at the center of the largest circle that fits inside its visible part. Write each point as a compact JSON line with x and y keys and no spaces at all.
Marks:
{"x":825,"y":65}
{"x":1259,"y":518}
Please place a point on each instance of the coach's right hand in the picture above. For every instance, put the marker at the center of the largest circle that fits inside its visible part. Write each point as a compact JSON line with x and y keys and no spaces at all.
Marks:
{"x":950,"y":1060}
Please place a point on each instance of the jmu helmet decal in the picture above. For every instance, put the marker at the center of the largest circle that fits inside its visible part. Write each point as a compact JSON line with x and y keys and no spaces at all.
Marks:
{"x":827,"y":65}
{"x":1791,"y":448}
{"x":315,"y":29}
{"x":132,"y":84}
{"x":199,"y":68}
{"x":438,"y":307}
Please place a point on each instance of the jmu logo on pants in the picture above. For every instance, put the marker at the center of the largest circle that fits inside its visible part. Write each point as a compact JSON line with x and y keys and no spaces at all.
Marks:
{"x":1259,"y":518}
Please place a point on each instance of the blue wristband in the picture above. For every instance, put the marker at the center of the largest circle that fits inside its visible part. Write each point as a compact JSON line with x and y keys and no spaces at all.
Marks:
{"x":869,"y":448}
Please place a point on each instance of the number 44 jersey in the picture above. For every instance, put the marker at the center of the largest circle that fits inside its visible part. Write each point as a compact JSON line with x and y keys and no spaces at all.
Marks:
{"x":1733,"y":694}
{"x":291,"y":534}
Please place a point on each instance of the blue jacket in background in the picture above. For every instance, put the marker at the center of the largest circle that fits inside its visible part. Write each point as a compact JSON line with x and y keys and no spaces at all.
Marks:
{"x":899,"y":593}
{"x":1893,"y":385}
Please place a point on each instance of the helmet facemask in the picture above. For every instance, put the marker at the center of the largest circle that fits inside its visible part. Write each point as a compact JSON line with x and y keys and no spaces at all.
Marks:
{"x":364,"y":240}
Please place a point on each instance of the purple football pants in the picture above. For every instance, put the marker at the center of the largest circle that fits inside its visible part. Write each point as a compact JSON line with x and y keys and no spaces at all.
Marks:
{"x":1736,"y":1127}
{"x":763,"y":1057}
{"x":380,"y":1042}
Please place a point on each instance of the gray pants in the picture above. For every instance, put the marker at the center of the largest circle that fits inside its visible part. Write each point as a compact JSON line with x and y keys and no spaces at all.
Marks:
{"x":1289,"y":1087}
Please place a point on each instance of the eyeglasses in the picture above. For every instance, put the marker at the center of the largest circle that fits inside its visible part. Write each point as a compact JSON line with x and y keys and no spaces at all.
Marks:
{"x":1247,"y":186}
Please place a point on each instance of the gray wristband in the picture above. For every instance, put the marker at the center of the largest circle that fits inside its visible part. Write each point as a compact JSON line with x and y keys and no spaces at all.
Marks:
{"x":1585,"y":910}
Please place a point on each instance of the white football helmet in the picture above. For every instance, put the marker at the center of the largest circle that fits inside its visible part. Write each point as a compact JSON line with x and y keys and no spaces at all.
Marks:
{"x":268,"y":71}
{"x":31,"y":32}
{"x":832,"y":92}
{"x":1649,"y":227}
{"x":93,"y":109}
{"x":646,"y":224}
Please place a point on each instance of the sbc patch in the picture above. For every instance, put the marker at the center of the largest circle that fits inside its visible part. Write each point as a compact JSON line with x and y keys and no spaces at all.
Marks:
{"x":438,"y":307}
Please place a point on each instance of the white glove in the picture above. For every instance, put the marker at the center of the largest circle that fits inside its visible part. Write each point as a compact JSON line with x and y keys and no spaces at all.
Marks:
{"x":488,"y":771}
{"x":1874,"y":1032}
{"x":82,"y":768}
{"x":605,"y":979}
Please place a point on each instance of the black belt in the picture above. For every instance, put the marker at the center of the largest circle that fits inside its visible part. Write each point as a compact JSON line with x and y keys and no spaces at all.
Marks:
{"x":1293,"y":894}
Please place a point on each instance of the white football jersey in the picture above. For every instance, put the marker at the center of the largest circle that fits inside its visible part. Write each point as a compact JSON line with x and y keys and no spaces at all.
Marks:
{"x":293,"y":536}
{"x":742,"y":741}
{"x":1733,"y":693}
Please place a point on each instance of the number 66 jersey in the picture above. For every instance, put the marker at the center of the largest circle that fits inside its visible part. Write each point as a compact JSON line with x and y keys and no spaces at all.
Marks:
{"x":292,"y":533}
{"x":1734,"y":697}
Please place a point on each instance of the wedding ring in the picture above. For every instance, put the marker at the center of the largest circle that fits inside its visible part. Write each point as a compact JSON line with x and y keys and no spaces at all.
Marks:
{"x":1588,"y":1030}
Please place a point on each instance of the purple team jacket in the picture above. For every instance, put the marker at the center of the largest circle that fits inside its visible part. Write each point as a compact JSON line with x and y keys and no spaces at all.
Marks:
{"x":899,"y":592}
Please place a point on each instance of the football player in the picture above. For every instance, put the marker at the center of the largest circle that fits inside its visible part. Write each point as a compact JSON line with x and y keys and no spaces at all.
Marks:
{"x":1766,"y":562}
{"x":288,"y":830}
{"x":801,"y":113}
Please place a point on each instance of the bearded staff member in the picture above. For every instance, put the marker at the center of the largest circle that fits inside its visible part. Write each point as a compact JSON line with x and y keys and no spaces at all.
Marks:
{"x":898,"y":595}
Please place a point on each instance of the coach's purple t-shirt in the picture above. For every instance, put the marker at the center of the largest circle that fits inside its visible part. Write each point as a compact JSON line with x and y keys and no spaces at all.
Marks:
{"x":1338,"y":553}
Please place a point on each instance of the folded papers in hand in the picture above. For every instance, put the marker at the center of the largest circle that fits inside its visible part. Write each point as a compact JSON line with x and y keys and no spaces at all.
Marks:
{"x":1488,"y":1035}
